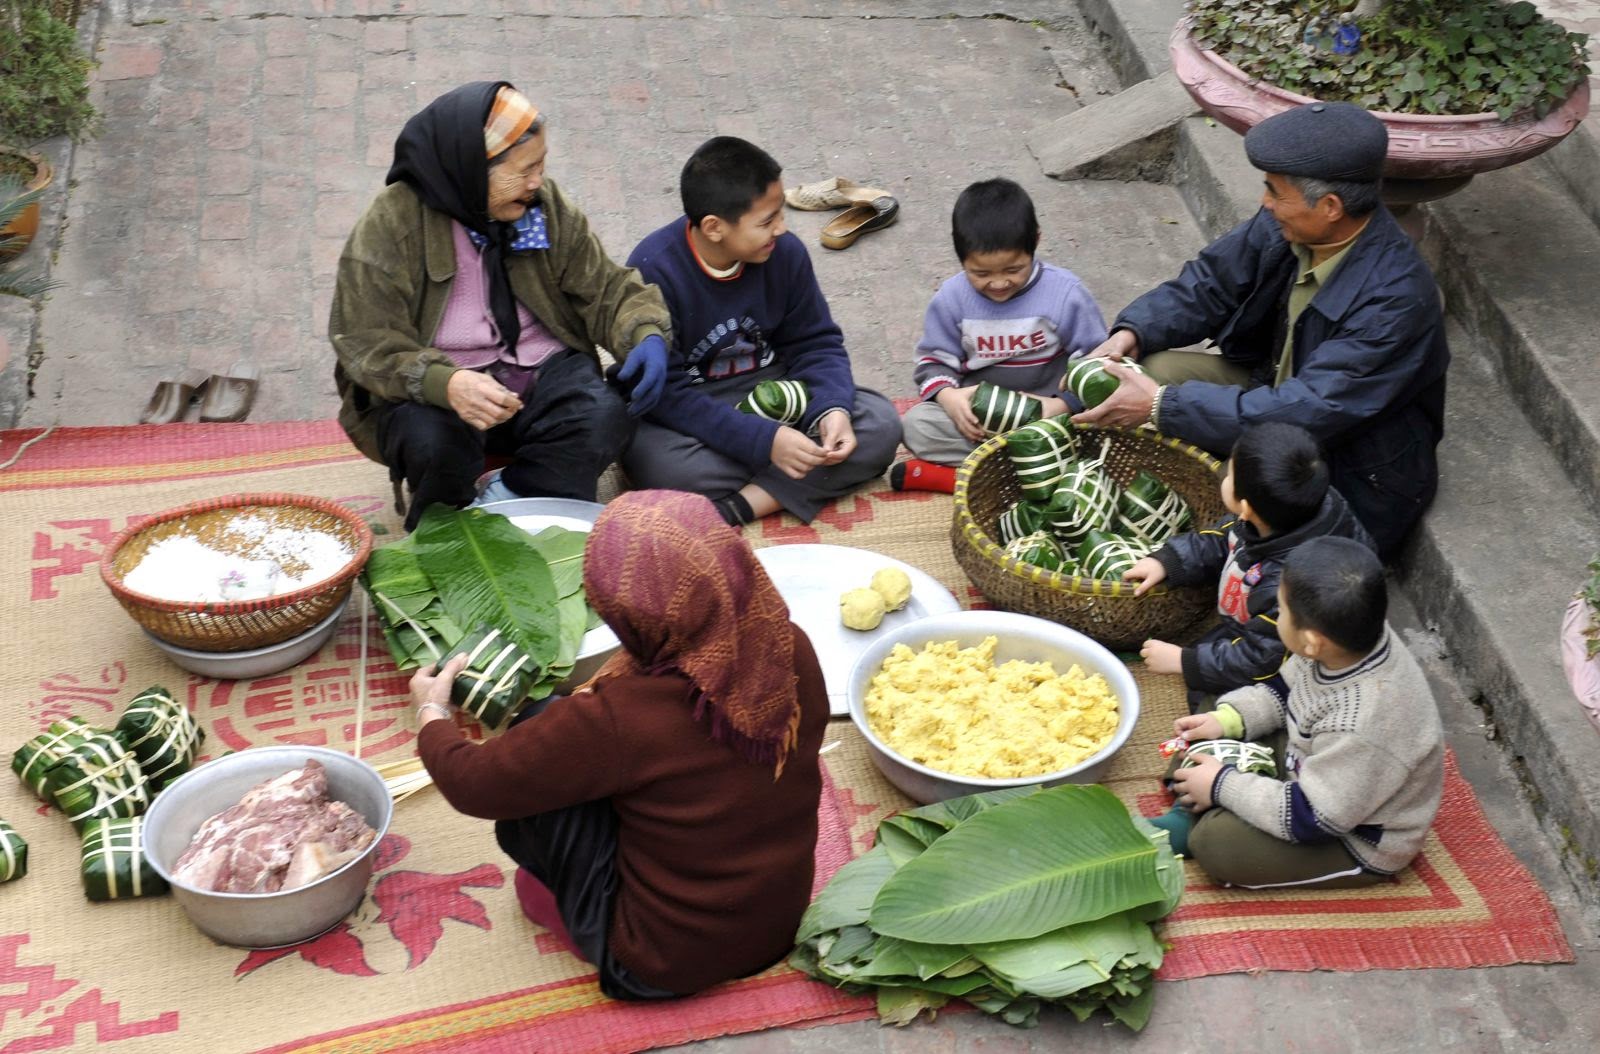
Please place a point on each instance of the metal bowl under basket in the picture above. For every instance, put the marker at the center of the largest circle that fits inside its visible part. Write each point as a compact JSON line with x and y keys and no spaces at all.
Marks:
{"x":236,"y":625}
{"x":1105,"y":609}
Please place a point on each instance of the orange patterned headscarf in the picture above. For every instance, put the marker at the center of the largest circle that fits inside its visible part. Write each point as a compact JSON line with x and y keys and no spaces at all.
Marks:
{"x":684,"y":592}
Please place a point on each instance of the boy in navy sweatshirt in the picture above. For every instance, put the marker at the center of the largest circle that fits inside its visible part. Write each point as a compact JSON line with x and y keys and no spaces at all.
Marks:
{"x":1008,"y":318}
{"x":746,"y":308}
{"x":1277,"y":496}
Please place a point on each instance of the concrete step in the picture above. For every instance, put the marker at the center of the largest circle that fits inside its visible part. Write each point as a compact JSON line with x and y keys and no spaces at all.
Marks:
{"x":1576,"y":162}
{"x":1491,"y":569}
{"x":1128,"y":136}
{"x":1516,"y":256}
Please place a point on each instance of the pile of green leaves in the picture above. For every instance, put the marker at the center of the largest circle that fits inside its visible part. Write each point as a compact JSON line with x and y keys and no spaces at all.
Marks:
{"x":1415,"y":56}
{"x":464,"y":568}
{"x":1008,"y":900}
{"x":44,"y":75}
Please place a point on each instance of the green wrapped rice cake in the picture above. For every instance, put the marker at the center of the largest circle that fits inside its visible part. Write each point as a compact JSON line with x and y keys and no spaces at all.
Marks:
{"x":13,"y":853}
{"x":1040,"y":454}
{"x":1002,"y":409}
{"x":1106,"y":556}
{"x":1040,"y":550}
{"x":34,"y":758}
{"x":1020,"y":518}
{"x":781,"y":401}
{"x":1084,"y":501}
{"x":1151,"y":509}
{"x":499,"y":674}
{"x":1089,"y":381}
{"x":162,"y":734}
{"x":114,"y":866}
{"x":1244,"y":756}
{"x":98,"y":777}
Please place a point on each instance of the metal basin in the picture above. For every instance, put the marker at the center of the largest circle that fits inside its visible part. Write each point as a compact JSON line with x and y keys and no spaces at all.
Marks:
{"x":264,"y":920}
{"x":257,"y":662}
{"x":1018,"y":637}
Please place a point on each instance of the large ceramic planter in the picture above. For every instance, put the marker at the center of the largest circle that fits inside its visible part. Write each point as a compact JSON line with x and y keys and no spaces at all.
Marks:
{"x":26,"y":224}
{"x":1421,"y":146}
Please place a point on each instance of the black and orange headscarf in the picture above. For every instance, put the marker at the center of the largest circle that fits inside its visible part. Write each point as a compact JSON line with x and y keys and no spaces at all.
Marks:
{"x":684,"y":592}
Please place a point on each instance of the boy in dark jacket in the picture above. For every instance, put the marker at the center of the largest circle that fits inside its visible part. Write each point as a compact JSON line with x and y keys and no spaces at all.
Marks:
{"x":1278,"y":497}
{"x":746,"y":308}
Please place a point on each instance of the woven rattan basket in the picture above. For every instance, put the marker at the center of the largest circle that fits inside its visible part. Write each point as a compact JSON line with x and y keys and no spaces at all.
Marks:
{"x":236,"y":625}
{"x":1105,"y":610}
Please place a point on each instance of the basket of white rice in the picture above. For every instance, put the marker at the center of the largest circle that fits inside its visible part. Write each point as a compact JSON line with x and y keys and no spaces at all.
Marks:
{"x":237,"y":572}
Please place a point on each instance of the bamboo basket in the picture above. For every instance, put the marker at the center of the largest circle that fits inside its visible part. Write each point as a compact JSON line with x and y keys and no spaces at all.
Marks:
{"x":1104,"y":609}
{"x":236,"y":625}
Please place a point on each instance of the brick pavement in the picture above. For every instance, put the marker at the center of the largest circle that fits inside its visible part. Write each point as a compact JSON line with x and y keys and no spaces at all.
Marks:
{"x":244,"y":137}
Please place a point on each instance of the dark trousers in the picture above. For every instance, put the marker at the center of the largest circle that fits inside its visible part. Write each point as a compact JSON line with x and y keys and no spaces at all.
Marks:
{"x":571,"y":426}
{"x":573,"y":851}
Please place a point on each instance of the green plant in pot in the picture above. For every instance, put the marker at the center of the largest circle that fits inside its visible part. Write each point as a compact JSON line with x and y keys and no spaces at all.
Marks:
{"x":1463,"y":86}
{"x":44,"y":74}
{"x":17,"y":279}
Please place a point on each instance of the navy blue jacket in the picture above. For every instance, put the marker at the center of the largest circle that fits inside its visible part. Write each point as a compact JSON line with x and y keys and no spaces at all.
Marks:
{"x":1369,"y":370}
{"x":1244,"y":646}
{"x":722,"y":328}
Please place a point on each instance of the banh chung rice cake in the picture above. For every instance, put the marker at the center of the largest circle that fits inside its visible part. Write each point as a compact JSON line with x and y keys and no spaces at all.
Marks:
{"x":952,"y":709}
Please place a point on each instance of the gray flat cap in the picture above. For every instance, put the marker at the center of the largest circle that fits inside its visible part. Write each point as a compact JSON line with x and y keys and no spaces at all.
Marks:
{"x":1321,"y":140}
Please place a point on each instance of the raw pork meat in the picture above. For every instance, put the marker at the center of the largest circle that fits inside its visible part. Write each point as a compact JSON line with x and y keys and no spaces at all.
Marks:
{"x":282,"y":835}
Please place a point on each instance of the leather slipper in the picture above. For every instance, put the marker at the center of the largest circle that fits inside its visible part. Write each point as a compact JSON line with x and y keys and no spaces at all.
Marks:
{"x":842,"y":231}
{"x":833,"y":193}
{"x":229,"y":396}
{"x":172,"y":397}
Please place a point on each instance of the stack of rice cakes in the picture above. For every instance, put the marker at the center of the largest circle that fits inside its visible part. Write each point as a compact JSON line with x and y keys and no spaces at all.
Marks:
{"x":103,"y":780}
{"x":1072,"y":517}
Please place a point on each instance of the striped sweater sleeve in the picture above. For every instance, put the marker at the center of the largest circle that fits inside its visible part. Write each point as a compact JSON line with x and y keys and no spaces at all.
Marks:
{"x":940,"y":360}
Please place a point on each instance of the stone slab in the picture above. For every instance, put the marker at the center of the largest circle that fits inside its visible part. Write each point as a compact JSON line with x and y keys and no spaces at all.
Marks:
{"x":1128,"y":136}
{"x":1516,"y":255}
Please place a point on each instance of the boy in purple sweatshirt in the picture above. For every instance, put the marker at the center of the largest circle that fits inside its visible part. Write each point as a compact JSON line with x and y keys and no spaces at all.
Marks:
{"x":1007,"y":318}
{"x":746,"y":308}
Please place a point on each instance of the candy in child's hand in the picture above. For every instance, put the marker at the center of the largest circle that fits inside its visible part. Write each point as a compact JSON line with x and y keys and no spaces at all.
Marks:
{"x":1173,"y":746}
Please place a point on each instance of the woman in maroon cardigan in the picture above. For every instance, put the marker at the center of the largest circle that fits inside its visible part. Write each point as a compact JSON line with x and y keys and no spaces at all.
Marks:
{"x":671,"y":807}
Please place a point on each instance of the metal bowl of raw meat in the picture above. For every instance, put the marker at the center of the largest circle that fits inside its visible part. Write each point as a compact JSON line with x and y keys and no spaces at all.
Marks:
{"x":264,"y":920}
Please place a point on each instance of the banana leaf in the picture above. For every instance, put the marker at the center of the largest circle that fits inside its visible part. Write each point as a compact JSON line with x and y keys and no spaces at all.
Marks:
{"x":486,"y":573}
{"x":1004,"y":409}
{"x":162,"y":734}
{"x":1019,"y":518}
{"x":13,"y":853}
{"x":1062,"y":856}
{"x":34,"y":758}
{"x":901,"y":1006}
{"x":1040,"y":454}
{"x":98,"y":778}
{"x":413,"y":617}
{"x":498,"y":679}
{"x":784,"y":401}
{"x":1089,"y":380}
{"x":847,"y":898}
{"x":114,"y":866}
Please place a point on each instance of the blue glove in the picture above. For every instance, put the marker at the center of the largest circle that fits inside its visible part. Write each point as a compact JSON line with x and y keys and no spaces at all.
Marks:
{"x":644,"y":374}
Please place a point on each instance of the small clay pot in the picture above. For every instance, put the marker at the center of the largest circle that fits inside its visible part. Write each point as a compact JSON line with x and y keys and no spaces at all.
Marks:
{"x":26,"y":224}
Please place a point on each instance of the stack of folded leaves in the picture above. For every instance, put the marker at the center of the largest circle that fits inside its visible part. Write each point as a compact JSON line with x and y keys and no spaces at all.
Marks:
{"x":1009,"y":900}
{"x":473,"y":581}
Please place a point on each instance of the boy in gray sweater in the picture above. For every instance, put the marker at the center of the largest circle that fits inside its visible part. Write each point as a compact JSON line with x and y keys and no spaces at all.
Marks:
{"x":1358,"y":742}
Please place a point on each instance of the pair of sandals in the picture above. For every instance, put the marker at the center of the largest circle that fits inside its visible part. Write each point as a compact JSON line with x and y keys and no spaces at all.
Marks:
{"x":222,"y":396}
{"x":867,"y":209}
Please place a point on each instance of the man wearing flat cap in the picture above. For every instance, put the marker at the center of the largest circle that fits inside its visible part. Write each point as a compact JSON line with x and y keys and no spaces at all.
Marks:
{"x":1324,"y":314}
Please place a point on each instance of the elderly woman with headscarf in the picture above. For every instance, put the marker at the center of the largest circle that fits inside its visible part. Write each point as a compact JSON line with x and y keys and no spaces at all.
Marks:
{"x":664,"y":819}
{"x":469,"y":301}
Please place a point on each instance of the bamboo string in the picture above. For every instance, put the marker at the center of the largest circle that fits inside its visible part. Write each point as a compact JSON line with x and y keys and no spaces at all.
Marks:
{"x":14,"y":457}
{"x":361,"y":681}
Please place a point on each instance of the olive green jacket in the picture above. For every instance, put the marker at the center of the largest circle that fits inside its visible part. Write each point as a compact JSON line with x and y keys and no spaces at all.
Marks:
{"x":394,"y":279}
